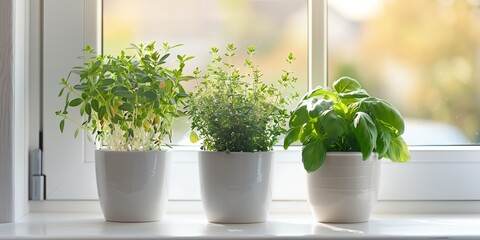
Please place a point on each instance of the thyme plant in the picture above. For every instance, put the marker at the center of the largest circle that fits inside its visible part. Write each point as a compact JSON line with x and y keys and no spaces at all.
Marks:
{"x":128,"y":102}
{"x":233,"y":110}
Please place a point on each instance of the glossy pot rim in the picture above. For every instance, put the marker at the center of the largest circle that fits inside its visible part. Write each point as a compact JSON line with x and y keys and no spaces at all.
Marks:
{"x":235,"y":153}
{"x":374,"y":154}
{"x":135,"y":151}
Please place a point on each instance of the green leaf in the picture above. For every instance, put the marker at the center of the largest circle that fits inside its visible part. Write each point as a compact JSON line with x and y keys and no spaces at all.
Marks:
{"x":126,"y":107}
{"x":76,"y":133}
{"x":181,"y":89}
{"x":95,"y":105}
{"x":385,"y":112}
{"x":77,"y":72}
{"x":189,"y":58}
{"x":97,"y":64}
{"x":194,"y":137}
{"x":75,"y":102}
{"x":137,"y":123}
{"x":383,"y":143}
{"x":354,"y":94}
{"x":150,"y":94}
{"x":164,"y":57}
{"x":106,"y":82}
{"x":101,"y":112}
{"x":62,"y":125}
{"x":332,"y":125}
{"x":320,"y":91}
{"x":187,"y":78}
{"x":81,"y":87}
{"x":292,"y":136}
{"x":61,"y":92}
{"x":82,"y":109}
{"x":88,"y":109}
{"x":299,"y":116}
{"x":383,"y":139}
{"x":398,"y":150}
{"x":365,"y":132}
{"x":308,"y":134}
{"x":316,"y":106}
{"x":169,"y":83}
{"x":182,"y":95}
{"x":121,"y":92}
{"x":314,"y":155}
{"x":346,"y":84}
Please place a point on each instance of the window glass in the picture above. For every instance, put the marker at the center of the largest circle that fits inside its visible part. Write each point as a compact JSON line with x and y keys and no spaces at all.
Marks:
{"x":275,"y":27}
{"x":422,"y":56}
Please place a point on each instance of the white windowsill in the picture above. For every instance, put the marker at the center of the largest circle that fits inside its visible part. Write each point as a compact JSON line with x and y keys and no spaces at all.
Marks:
{"x":284,"y":226}
{"x":288,"y":220}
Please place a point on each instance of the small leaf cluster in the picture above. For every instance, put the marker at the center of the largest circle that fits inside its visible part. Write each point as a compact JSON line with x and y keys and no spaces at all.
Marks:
{"x":233,"y":110}
{"x":346,"y":119}
{"x":128,"y":102}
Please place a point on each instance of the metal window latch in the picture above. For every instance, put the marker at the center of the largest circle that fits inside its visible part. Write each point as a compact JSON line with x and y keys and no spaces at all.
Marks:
{"x":36,"y":178}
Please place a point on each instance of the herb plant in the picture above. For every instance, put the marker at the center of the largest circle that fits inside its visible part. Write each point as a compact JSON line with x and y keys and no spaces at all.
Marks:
{"x":233,"y":110}
{"x":128,"y":102}
{"x":346,"y":119}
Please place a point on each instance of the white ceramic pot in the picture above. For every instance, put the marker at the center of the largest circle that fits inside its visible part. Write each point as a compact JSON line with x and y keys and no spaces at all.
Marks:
{"x":132,"y":185}
{"x":344,"y":189}
{"x":235,"y":186}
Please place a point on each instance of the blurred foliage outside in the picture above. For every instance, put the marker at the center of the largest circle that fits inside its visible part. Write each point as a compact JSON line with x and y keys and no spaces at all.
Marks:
{"x":423,"y":56}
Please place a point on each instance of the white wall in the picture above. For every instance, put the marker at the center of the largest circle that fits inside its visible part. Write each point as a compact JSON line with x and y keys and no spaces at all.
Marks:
{"x":6,"y":111}
{"x":13,"y":109}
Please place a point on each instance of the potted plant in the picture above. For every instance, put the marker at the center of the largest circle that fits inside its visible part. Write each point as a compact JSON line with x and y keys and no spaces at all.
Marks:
{"x":338,"y":128}
{"x":128,"y":104}
{"x":239,"y":119}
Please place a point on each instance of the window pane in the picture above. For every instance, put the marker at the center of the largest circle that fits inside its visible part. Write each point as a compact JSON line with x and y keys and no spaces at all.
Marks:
{"x":423,"y":56}
{"x":275,"y":27}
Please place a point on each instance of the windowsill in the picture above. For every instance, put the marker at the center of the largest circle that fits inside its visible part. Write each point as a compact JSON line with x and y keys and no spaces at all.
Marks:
{"x":285,"y":226}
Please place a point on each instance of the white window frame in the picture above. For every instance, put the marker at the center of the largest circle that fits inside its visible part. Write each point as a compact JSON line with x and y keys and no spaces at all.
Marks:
{"x":439,"y":177}
{"x":14,"y":109}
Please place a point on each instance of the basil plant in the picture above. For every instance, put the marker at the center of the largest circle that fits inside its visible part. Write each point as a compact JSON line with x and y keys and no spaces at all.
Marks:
{"x":346,"y":119}
{"x":128,"y":102}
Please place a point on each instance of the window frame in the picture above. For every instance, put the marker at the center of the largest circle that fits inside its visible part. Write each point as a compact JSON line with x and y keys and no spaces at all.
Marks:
{"x":14,"y":109}
{"x":441,"y":159}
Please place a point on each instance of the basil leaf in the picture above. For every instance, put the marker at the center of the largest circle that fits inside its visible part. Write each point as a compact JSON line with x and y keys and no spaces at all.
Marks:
{"x":314,"y":155}
{"x":398,"y":150}
{"x":346,"y":84}
{"x":366,"y":133}
{"x":299,"y":116}
{"x":292,"y":136}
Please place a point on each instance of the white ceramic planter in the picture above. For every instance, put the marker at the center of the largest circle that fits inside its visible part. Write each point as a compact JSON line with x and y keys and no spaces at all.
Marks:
{"x":235,"y":187}
{"x":132,"y":185}
{"x":344,"y":189}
